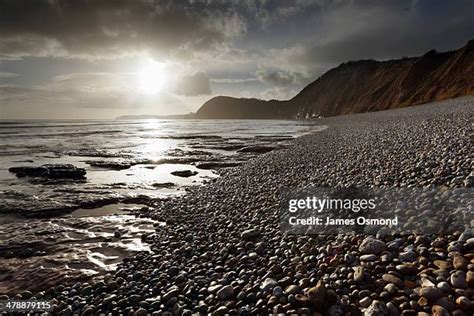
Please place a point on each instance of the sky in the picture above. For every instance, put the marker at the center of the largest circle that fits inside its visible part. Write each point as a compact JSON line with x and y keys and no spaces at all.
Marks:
{"x":99,"y":59}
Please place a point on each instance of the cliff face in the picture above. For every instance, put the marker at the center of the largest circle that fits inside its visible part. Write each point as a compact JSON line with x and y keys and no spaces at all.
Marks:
{"x":363,"y":86}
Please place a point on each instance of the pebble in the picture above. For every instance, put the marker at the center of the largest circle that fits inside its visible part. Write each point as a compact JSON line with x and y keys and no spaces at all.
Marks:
{"x":407,"y":268}
{"x":225,"y":292}
{"x":292,"y":289}
{"x":426,"y":282}
{"x":365,"y":302}
{"x":377,"y":308}
{"x":268,"y":284}
{"x":470,"y":278}
{"x":317,"y":295}
{"x":442,"y":264}
{"x":458,"y":280}
{"x":359,"y":273}
{"x":383,"y":233}
{"x":371,"y":245}
{"x":369,"y":258}
{"x":140,"y":312}
{"x":464,"y":303}
{"x":172,"y":292}
{"x":278,"y":291}
{"x":408,"y":256}
{"x":393,"y":279}
{"x":250,"y":234}
{"x":221,"y":311}
{"x":444,"y":286}
{"x":431,"y":293}
{"x":439,"y":311}
{"x":214,"y":288}
{"x":460,"y":262}
{"x":391,"y":288}
{"x":392,"y":309}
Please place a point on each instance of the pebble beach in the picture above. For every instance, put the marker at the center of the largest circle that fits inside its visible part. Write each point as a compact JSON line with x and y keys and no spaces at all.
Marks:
{"x":222,"y":251}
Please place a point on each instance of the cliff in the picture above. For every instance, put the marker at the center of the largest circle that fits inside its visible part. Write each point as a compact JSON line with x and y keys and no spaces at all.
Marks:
{"x":363,"y":86}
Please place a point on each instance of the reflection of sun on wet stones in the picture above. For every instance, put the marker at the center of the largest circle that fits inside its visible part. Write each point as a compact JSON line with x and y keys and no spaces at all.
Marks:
{"x":77,"y":249}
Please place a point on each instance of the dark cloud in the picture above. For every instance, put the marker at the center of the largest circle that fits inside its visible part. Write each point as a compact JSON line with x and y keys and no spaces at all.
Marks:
{"x":386,"y":30}
{"x":331,"y":31}
{"x":104,"y":28}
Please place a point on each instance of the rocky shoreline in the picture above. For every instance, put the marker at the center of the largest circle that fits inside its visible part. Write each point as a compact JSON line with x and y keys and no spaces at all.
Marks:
{"x":61,"y":175}
{"x":222,"y":251}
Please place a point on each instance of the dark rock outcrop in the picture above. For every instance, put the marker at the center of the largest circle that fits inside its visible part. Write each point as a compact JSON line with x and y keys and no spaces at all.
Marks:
{"x":50,"y":171}
{"x":256,"y":149}
{"x":184,"y":173}
{"x":217,"y":165}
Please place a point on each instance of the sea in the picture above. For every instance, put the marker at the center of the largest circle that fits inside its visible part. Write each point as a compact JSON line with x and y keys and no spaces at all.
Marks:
{"x":151,"y":148}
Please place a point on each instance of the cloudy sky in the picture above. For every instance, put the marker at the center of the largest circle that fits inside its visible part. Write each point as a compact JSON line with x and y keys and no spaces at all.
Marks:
{"x":101,"y":58}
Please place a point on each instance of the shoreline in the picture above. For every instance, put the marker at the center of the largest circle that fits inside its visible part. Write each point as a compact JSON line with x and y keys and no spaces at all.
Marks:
{"x":81,"y":232}
{"x":114,"y":169}
{"x":222,"y":251}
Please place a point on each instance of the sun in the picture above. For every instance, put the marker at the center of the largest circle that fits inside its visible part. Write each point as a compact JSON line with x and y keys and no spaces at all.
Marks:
{"x":151,"y":77}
